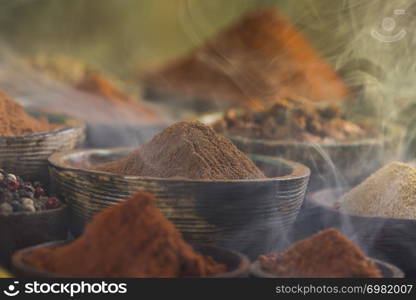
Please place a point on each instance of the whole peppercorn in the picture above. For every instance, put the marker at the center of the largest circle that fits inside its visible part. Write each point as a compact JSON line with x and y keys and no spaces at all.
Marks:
{"x":39,"y":192}
{"x":27,"y":201}
{"x":6,"y":208}
{"x":52,"y":203}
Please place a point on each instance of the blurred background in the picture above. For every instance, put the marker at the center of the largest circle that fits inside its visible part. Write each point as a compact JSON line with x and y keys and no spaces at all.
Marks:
{"x":122,"y":37}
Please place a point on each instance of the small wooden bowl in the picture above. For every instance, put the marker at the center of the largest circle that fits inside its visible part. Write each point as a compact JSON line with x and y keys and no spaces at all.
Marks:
{"x":387,"y":270}
{"x":27,"y":155}
{"x":24,"y":229}
{"x":388,"y":239}
{"x":249,"y":216}
{"x":238,"y":265}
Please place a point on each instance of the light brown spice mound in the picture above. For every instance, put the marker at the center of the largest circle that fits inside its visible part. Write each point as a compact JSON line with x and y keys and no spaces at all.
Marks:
{"x":389,"y":192}
{"x":130,"y":239}
{"x":327,"y":254}
{"x":262,"y":57}
{"x":14,"y":121}
{"x":190,"y":150}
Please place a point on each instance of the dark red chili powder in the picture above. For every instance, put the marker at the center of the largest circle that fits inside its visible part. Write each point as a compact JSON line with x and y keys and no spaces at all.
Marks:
{"x":130,"y":239}
{"x":325,"y":254}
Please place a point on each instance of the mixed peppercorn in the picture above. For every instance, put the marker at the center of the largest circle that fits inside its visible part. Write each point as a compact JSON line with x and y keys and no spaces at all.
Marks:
{"x":17,"y":195}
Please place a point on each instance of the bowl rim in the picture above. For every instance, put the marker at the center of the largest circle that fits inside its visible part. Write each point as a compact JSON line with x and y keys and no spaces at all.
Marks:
{"x":396,"y":272}
{"x":312,"y":199}
{"x":18,"y":263}
{"x":57,"y":160}
{"x":63,"y":207}
{"x":77,"y":124}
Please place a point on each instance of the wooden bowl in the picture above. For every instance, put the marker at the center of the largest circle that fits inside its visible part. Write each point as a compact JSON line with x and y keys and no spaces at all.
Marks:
{"x":248,"y":216}
{"x":388,"y":239}
{"x":27,"y":155}
{"x":387,"y":270}
{"x":238,"y":265}
{"x":24,"y":229}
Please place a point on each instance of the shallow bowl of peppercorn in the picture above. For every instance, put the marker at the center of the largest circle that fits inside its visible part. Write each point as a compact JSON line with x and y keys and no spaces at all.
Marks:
{"x":387,"y":239}
{"x":248,"y":216}
{"x":387,"y":270}
{"x":27,"y":155}
{"x":331,"y":162}
{"x":28,"y":216}
{"x":237,"y":264}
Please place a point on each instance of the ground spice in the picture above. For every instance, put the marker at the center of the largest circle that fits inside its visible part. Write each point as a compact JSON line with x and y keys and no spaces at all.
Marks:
{"x":325,"y":254}
{"x":262,"y":57}
{"x":98,"y":85}
{"x":190,"y":150}
{"x":88,"y":79}
{"x":294,"y":119}
{"x":390,"y":192}
{"x":130,"y":239}
{"x":14,"y":121}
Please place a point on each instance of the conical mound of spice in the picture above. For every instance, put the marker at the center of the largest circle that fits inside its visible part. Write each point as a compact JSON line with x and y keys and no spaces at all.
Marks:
{"x":189,"y":150}
{"x":327,"y":254}
{"x":390,"y":192}
{"x":99,"y":86}
{"x":14,"y":121}
{"x":262,"y":56}
{"x":130,"y":239}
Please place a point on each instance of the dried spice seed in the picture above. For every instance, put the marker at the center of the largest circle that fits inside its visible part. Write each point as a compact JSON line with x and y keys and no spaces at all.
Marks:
{"x":390,"y":192}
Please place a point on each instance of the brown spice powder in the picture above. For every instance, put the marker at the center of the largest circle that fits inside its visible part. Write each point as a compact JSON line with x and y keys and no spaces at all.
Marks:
{"x":390,"y":192}
{"x":262,"y":57}
{"x":14,"y":121}
{"x":327,"y":254}
{"x":189,"y":150}
{"x":130,"y":239}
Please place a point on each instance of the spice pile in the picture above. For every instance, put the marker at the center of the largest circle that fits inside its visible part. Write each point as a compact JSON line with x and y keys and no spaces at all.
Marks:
{"x":189,"y":150}
{"x":390,"y":192}
{"x":143,"y":244}
{"x":14,"y":121}
{"x":85,"y":78}
{"x":261,"y":57}
{"x":293,"y":119}
{"x":327,"y":254}
{"x":17,"y":195}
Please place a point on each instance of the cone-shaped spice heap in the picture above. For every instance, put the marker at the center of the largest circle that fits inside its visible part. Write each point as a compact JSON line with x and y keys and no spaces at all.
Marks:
{"x":326,"y":254}
{"x":190,"y":150}
{"x":130,"y":239}
{"x":14,"y":121}
{"x":390,"y":192}
{"x":263,"y":56}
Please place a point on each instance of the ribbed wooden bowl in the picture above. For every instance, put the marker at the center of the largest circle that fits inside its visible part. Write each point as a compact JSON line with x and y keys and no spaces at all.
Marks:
{"x":249,"y":216}
{"x":392,"y":240}
{"x":238,"y":265}
{"x":387,"y":270}
{"x":25,"y":229}
{"x":27,"y":155}
{"x":344,"y":163}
